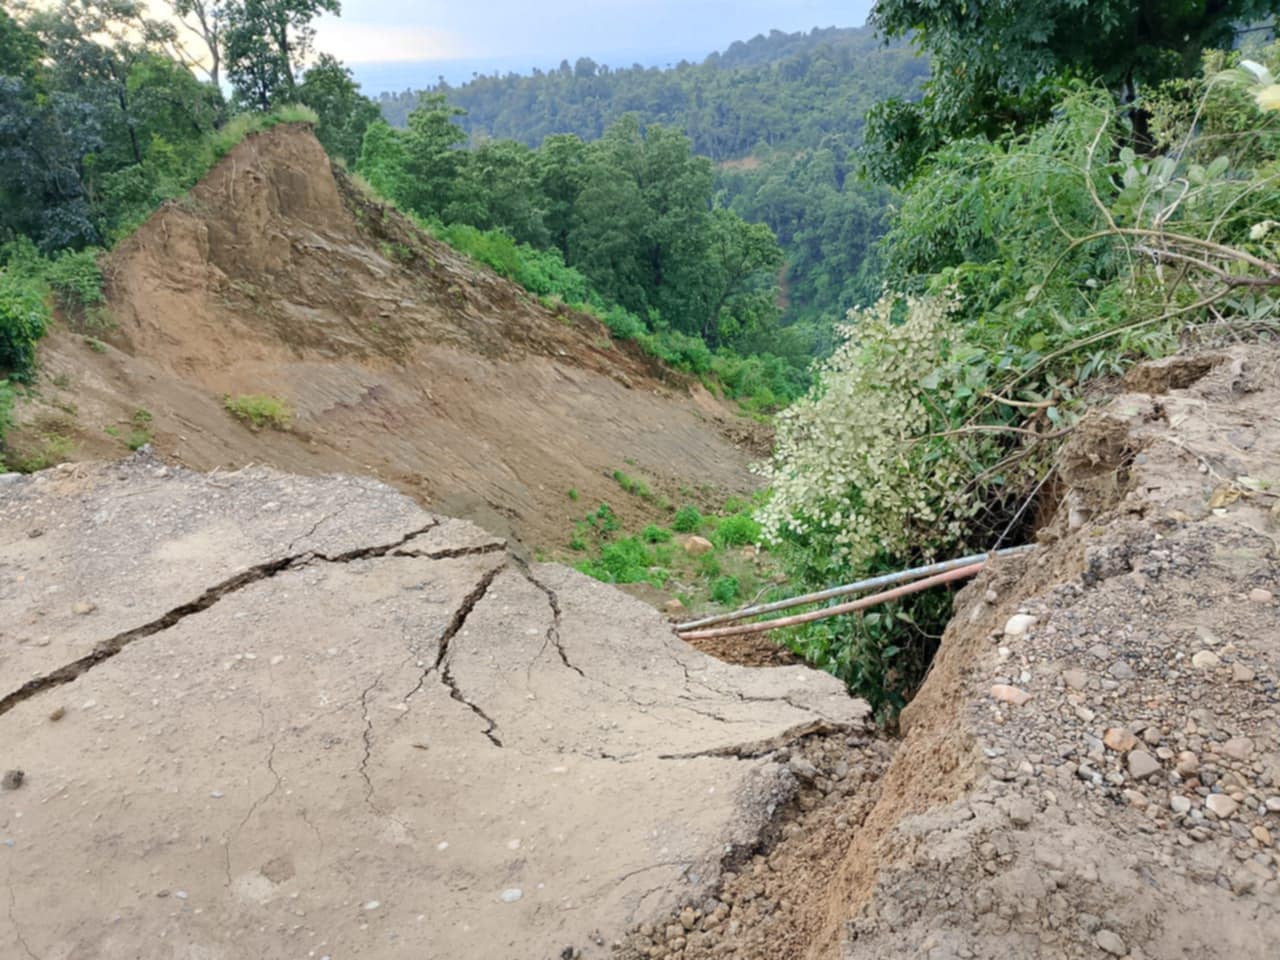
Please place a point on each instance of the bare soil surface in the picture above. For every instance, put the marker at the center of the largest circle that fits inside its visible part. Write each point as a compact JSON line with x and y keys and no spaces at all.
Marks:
{"x":261,"y":715}
{"x":399,"y":358}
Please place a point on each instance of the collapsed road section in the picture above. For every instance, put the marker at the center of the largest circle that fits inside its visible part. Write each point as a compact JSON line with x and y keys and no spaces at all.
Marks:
{"x":265,"y":715}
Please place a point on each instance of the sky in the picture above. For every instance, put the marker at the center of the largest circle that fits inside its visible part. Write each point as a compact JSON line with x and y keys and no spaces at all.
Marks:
{"x":394,"y":44}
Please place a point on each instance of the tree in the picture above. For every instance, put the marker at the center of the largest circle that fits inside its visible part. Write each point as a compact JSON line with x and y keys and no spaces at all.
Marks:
{"x":995,"y":61}
{"x":344,"y":114}
{"x":266,"y":43}
{"x":205,"y":18}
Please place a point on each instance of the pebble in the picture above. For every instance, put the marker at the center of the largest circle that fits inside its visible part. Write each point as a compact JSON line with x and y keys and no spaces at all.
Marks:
{"x":1111,"y":943}
{"x":1018,"y":624}
{"x":57,"y":713}
{"x":1273,"y":804}
{"x":1241,"y":674}
{"x":84,"y":607}
{"x":1221,"y":805}
{"x":1076,"y":679}
{"x":802,"y":768}
{"x":1119,"y":739}
{"x":1142,"y":765}
{"x":373,"y":905}
{"x":512,"y":894}
{"x":1258,"y":595}
{"x":1121,"y":670}
{"x":1238,"y":748}
{"x":1179,"y":804}
{"x":1021,"y":812}
{"x":12,"y":779}
{"x":1262,"y":835}
{"x":1205,"y":660}
{"x":1007,"y":694}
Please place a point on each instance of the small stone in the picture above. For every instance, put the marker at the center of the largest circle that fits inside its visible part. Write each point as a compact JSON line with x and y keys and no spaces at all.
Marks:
{"x":1205,"y":660}
{"x":1007,"y":694}
{"x":1121,"y":670}
{"x":688,"y":918}
{"x":1179,"y":804}
{"x":84,"y":607}
{"x":1258,"y":595}
{"x":1136,"y":798}
{"x":1188,"y":763}
{"x":1262,"y":835}
{"x":1220,"y":805}
{"x":373,"y":905}
{"x":1110,"y":943}
{"x":1238,"y":748}
{"x":1021,"y":812}
{"x":991,"y":596}
{"x":12,"y":779}
{"x":181,"y":894}
{"x":673,"y":607}
{"x":1076,"y":678}
{"x":696,"y":546}
{"x":1142,"y":765}
{"x":57,"y":713}
{"x":802,"y":768}
{"x":1273,"y":804}
{"x":1241,"y":674}
{"x":1018,"y":624}
{"x":217,"y":794}
{"x":1119,"y":739}
{"x":511,"y":895}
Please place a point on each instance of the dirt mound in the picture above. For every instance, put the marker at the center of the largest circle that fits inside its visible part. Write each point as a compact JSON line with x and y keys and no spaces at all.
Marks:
{"x":262,"y":715}
{"x":399,"y":358}
{"x":1092,"y":768}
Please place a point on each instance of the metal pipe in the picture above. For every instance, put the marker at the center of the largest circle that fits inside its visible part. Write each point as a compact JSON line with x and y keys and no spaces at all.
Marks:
{"x":843,"y":608}
{"x":868,"y":584}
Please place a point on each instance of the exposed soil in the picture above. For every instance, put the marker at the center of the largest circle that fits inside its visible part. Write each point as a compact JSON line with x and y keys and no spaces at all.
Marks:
{"x":399,"y":358}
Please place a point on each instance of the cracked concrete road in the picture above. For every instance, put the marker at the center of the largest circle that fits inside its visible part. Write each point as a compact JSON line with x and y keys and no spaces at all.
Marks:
{"x":268,"y":716}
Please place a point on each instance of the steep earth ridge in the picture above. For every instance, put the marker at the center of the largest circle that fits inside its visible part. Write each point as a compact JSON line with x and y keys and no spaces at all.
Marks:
{"x":401,"y":359}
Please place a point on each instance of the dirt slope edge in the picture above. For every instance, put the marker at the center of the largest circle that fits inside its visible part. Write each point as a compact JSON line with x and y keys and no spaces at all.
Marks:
{"x":312,"y":719}
{"x":399,"y":358}
{"x":1127,"y":808}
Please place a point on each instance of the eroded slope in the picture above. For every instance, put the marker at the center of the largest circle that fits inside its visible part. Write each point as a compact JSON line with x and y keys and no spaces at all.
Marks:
{"x":400,"y":359}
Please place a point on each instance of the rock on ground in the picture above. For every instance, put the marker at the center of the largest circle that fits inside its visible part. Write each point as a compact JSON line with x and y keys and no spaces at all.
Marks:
{"x":261,"y":715}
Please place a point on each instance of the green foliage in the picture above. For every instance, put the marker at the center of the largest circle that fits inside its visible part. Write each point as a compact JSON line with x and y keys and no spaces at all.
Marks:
{"x":736,"y":530}
{"x":265,"y":44}
{"x":633,"y":486}
{"x":342,"y":113}
{"x":573,"y":494}
{"x":1024,"y":270}
{"x":625,"y":561}
{"x":75,"y":278}
{"x":24,"y":316}
{"x":996,"y":62}
{"x":725,"y":590}
{"x":687,"y":520}
{"x":259,"y":410}
{"x":6,"y":417}
{"x":655,"y":534}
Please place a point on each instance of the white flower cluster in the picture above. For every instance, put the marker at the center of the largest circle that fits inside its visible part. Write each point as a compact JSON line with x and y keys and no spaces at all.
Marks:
{"x":855,"y":460}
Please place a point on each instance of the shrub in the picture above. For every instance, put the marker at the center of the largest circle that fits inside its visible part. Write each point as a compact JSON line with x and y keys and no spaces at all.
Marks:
{"x":259,"y":411}
{"x":686,"y":520}
{"x":725,"y":590}
{"x":655,"y":534}
{"x":736,"y":530}
{"x":24,"y":316}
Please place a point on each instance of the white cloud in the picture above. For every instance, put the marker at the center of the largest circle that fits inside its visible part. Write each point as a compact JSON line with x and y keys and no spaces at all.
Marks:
{"x":358,"y":42}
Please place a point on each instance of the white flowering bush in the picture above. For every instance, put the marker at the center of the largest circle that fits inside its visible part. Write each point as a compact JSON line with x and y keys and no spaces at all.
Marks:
{"x":863,"y":465}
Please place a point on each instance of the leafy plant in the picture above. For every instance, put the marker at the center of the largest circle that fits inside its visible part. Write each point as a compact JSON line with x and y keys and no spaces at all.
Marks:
{"x":687,"y":520}
{"x":259,"y":411}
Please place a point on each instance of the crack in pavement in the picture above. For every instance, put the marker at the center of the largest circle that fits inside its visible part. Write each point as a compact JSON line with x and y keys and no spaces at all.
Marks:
{"x":271,"y":756}
{"x":441,"y":666}
{"x":106,"y":649}
{"x":453,"y":553}
{"x":17,"y":930}
{"x":553,"y":631}
{"x":753,"y":751}
{"x":367,"y":737}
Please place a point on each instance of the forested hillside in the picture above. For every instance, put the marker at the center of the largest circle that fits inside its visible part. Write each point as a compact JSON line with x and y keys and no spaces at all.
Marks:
{"x":780,"y":114}
{"x":783,"y":90}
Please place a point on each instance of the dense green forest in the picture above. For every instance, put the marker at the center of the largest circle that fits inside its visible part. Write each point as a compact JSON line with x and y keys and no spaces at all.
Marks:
{"x":781,"y":115}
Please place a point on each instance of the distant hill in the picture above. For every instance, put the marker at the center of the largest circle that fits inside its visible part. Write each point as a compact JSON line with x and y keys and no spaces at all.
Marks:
{"x":784,"y":90}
